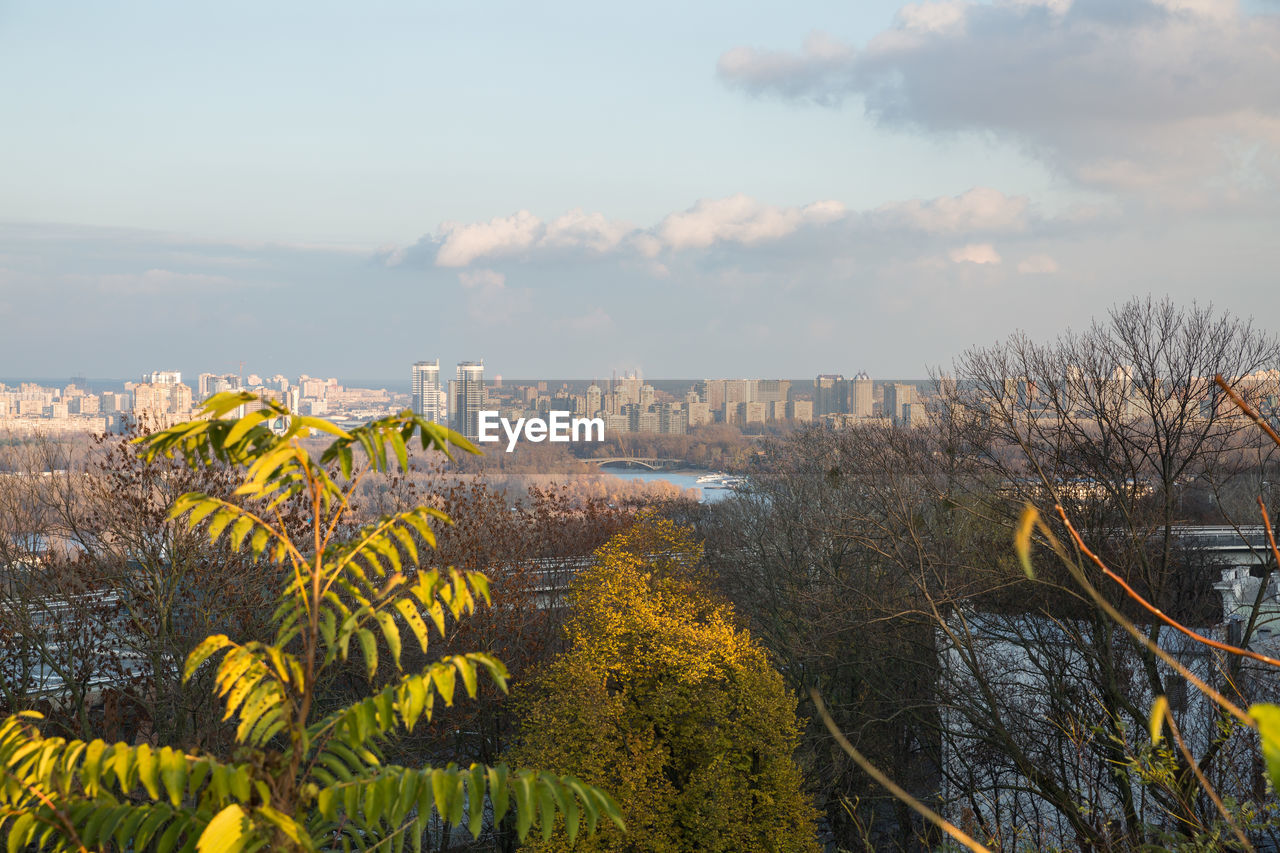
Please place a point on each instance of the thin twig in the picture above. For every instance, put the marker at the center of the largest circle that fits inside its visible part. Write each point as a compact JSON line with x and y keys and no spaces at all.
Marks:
{"x":1132,"y":629}
{"x":1266,"y":525}
{"x":1204,"y":782}
{"x":1165,"y":618}
{"x":871,"y":770}
{"x":1246,"y":408}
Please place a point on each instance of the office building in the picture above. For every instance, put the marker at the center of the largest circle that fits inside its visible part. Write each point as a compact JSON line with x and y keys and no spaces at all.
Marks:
{"x":424,"y":387}
{"x":830,"y":394}
{"x":860,"y":404}
{"x":468,"y":399}
{"x":896,"y":396}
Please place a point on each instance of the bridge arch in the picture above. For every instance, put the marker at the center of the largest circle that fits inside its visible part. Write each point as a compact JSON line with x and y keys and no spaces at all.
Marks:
{"x":621,"y":462}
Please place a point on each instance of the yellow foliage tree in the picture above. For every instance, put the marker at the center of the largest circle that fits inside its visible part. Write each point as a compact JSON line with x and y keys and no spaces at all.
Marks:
{"x":672,"y":707}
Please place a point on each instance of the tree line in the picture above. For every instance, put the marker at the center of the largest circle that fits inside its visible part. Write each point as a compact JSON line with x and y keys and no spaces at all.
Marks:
{"x":668,"y":653}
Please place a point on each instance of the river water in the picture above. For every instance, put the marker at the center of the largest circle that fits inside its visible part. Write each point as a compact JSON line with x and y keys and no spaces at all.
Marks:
{"x":683,"y":479}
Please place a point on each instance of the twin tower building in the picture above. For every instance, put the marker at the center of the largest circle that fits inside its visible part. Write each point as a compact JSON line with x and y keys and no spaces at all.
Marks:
{"x":457,"y":406}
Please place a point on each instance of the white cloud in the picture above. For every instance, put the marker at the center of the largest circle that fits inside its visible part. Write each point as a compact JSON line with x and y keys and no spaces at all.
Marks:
{"x":1038,"y":265}
{"x":1172,"y":101}
{"x":818,"y":72}
{"x":975,"y":253}
{"x":462,"y":244}
{"x":737,"y":219}
{"x":740,"y":219}
{"x":979,"y":209}
{"x":647,"y":245}
{"x":938,"y":17}
{"x":576,"y":229}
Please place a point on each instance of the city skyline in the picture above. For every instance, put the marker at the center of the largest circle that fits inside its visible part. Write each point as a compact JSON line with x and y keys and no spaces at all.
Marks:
{"x":777,"y":191}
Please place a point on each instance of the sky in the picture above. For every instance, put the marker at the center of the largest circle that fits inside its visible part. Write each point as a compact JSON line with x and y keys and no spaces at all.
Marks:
{"x":571,"y":188}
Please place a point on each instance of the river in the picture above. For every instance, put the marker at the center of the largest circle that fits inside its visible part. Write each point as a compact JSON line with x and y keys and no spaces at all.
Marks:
{"x":683,"y":479}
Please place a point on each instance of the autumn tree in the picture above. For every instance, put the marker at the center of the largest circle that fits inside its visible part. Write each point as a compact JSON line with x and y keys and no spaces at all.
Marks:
{"x":674,"y":707}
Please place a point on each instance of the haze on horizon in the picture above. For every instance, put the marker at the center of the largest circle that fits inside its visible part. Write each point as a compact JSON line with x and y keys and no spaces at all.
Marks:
{"x":706,"y":191}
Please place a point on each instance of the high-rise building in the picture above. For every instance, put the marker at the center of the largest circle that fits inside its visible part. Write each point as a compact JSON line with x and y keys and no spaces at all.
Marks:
{"x":468,"y":399}
{"x":628,"y":389}
{"x":800,"y":410}
{"x":425,"y":387}
{"x":830,"y":394}
{"x":860,"y":396}
{"x":771,"y":391}
{"x":699,"y":413}
{"x":594,"y":400}
{"x":312,"y":388}
{"x":163,"y":377}
{"x":897,"y":395}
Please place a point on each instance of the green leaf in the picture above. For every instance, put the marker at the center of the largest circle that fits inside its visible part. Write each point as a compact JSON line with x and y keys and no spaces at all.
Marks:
{"x":373,"y":804}
{"x":369,"y":645}
{"x":121,"y":764}
{"x":522,"y":784}
{"x":391,"y":633}
{"x":402,"y":453}
{"x":498,"y":791}
{"x":207,"y":648}
{"x":442,"y":791}
{"x":173,"y":773}
{"x":169,"y":839}
{"x":468,"y":672}
{"x":321,"y":425}
{"x":127,"y":830}
{"x":223,"y":402}
{"x":221,"y":519}
{"x":91,"y":769}
{"x":240,"y":784}
{"x":286,"y":825}
{"x":414,"y":620}
{"x":226,"y":833}
{"x":546,"y":793}
{"x":258,"y":543}
{"x":405,"y":793}
{"x":1268,"y":718}
{"x":239,"y":531}
{"x":20,"y":832}
{"x":199,"y":505}
{"x":244,"y":425}
{"x":475,"y":799}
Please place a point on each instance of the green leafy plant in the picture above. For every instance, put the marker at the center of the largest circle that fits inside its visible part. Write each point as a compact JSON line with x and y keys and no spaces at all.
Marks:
{"x":299,"y":778}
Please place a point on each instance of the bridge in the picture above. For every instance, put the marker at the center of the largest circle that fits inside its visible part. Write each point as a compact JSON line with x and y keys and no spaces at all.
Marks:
{"x":649,"y":462}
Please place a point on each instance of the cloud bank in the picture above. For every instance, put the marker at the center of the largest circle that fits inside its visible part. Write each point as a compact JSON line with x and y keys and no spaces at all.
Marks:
{"x":1177,"y":101}
{"x":734,"y":222}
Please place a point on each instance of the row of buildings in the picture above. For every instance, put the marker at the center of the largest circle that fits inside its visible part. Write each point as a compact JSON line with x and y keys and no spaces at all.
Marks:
{"x":162,"y":398}
{"x":629,"y":404}
{"x":626,"y":404}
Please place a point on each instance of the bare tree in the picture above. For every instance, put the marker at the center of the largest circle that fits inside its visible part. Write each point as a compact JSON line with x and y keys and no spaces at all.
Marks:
{"x":876,"y":564}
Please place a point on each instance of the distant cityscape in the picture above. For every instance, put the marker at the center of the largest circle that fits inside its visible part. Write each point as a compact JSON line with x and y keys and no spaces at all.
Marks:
{"x":627,"y":403}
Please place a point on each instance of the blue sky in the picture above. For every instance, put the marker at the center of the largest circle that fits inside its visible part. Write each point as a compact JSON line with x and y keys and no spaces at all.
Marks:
{"x":565,"y":189}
